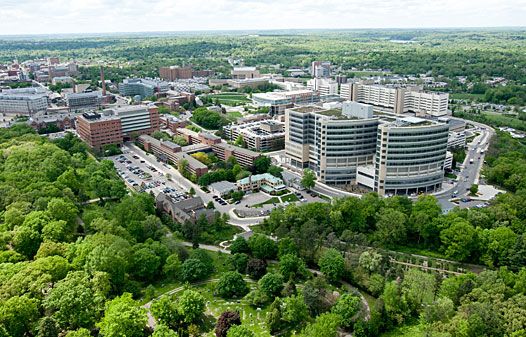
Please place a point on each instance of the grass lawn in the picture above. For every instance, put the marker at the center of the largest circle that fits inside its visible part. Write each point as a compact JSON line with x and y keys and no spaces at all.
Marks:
{"x":466,"y":96}
{"x":273,"y":200}
{"x":230,"y":98}
{"x":289,"y":197}
{"x":216,"y":237}
{"x":505,"y":120}
{"x":234,"y":115}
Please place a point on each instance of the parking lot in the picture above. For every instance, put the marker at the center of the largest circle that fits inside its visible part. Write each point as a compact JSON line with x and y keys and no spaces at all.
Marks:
{"x":137,"y":173}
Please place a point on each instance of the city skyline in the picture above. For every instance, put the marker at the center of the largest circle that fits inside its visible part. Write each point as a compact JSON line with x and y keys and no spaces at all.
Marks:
{"x":101,"y":16}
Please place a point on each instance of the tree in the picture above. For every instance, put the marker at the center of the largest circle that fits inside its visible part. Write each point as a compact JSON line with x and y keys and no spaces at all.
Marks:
{"x":332,"y":264}
{"x":166,"y":312}
{"x":391,"y":227}
{"x":191,"y":305}
{"x":83,"y":332}
{"x":26,"y":241}
{"x":459,"y":241}
{"x":18,"y":315}
{"x":227,"y":320}
{"x":262,"y":247}
{"x":239,"y":245}
{"x":240,"y":331}
{"x":271,"y":284}
{"x":394,"y":304}
{"x":239,"y":262}
{"x":47,"y":327}
{"x":276,"y":171}
{"x":164,"y":331}
{"x":370,"y":260}
{"x":309,"y":179}
{"x":172,"y":266}
{"x":287,"y":246}
{"x":326,"y":325}
{"x":315,"y":295}
{"x":347,"y":309}
{"x":123,"y":317}
{"x":256,"y":268}
{"x":240,"y":141}
{"x":418,"y":289}
{"x":294,"y":310}
{"x":262,"y":164}
{"x":73,"y":302}
{"x":291,"y":266}
{"x":440,"y":310}
{"x":473,"y":190}
{"x":231,"y":284}
{"x":193,"y":270}
{"x":145,"y":264}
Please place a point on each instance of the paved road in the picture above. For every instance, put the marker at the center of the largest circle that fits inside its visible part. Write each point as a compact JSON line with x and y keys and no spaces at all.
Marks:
{"x":470,"y":173}
{"x":184,"y":184}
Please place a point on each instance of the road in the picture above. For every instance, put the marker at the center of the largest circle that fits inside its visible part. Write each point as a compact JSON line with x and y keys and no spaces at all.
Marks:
{"x":470,"y":173}
{"x":185,"y":185}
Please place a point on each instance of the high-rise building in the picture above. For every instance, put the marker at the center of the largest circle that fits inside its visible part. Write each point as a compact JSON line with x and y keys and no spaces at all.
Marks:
{"x":320,"y":69}
{"x":331,"y":142}
{"x":23,"y":101}
{"x":351,"y":145}
{"x":279,"y":101}
{"x":84,"y":100}
{"x":410,"y":156}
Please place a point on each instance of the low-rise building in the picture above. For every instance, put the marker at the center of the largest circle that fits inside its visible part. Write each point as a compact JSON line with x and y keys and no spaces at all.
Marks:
{"x":84,"y":100}
{"x":187,"y":210}
{"x":173,"y":73}
{"x":265,"y":182}
{"x":247,"y":83}
{"x":324,"y":86}
{"x":222,"y":188}
{"x":279,"y":101}
{"x":143,"y":87}
{"x":244,"y":157}
{"x":241,"y":73}
{"x":265,"y":135}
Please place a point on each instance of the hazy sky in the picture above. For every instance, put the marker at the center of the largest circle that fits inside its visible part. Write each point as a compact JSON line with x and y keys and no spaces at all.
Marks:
{"x":92,"y":16}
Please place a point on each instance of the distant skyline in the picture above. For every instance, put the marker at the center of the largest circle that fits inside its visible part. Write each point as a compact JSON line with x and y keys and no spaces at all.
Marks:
{"x":20,"y":17}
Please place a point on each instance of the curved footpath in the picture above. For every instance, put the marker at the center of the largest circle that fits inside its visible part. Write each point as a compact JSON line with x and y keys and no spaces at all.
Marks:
{"x":151,"y":319}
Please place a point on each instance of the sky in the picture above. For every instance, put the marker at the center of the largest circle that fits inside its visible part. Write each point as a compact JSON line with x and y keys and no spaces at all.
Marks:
{"x":104,"y":16}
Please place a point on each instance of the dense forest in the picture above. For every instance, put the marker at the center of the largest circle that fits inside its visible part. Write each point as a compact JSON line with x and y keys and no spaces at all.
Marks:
{"x":450,"y":53}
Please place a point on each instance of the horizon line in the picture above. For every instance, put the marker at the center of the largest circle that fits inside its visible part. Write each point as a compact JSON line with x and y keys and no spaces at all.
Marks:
{"x":253,"y":30}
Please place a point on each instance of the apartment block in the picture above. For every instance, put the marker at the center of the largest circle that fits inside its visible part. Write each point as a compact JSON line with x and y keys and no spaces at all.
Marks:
{"x":320,"y":69}
{"x":266,"y":135}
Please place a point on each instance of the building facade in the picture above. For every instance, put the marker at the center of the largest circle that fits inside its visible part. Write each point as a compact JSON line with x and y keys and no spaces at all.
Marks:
{"x":324,"y":86}
{"x":22,"y":103}
{"x":266,"y":135}
{"x":98,"y":131}
{"x":277,"y":102}
{"x":84,"y":100}
{"x":410,"y":156}
{"x":242,"y":73}
{"x":174,"y":73}
{"x":143,"y":87}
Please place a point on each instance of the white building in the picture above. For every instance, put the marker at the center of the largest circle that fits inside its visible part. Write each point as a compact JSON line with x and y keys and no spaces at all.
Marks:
{"x":24,"y":101}
{"x":324,"y":86}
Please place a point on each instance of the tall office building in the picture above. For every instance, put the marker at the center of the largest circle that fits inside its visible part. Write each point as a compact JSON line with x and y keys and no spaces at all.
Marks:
{"x":173,"y":73}
{"x":112,"y":126}
{"x":410,"y":156}
{"x":351,"y":145}
{"x":330,"y":142}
